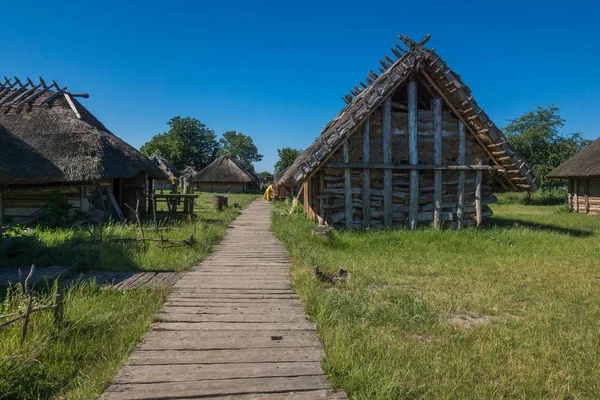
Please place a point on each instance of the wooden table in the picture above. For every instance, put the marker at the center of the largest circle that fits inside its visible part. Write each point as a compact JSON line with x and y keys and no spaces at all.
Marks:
{"x":173,"y":200}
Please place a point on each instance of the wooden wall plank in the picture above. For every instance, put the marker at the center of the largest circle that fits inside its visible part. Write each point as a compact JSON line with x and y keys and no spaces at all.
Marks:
{"x":462,"y":145}
{"x":413,"y":208}
{"x":478,"y":181}
{"x":387,"y":159}
{"x":348,"y":189}
{"x":366,"y":192}
{"x":437,"y":160}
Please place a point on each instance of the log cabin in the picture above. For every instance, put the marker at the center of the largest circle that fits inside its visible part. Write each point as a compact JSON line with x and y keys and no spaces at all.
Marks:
{"x":411,"y":148}
{"x":582,"y":172}
{"x":58,"y":146}
{"x":224,"y":175}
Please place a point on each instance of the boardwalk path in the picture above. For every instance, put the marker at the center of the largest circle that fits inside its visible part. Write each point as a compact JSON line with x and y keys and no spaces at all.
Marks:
{"x":231,"y":329}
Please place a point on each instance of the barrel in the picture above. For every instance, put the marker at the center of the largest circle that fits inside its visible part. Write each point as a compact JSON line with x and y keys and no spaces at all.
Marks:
{"x":219,"y":202}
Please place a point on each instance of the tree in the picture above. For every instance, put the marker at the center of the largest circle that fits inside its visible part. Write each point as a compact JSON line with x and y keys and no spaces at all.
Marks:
{"x":187,"y":143}
{"x":287,"y":156}
{"x":241,"y":148}
{"x":536,"y":137}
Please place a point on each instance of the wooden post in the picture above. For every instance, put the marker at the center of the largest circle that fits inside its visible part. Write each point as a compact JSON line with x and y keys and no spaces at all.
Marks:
{"x":437,"y":160}
{"x":29,"y":305}
{"x":387,"y":159}
{"x":321,"y":199}
{"x":347,"y":188}
{"x":462,"y":144}
{"x":478,"y":180}
{"x":366,"y":191}
{"x":570,"y":194}
{"x":413,"y":151}
{"x":576,"y":194}
{"x":587,"y":195}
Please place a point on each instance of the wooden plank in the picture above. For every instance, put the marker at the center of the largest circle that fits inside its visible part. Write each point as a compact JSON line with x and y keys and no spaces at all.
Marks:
{"x":114,"y":203}
{"x":478,"y":181}
{"x":348,"y":209}
{"x":437,"y":160}
{"x":323,"y":394}
{"x":221,"y":387}
{"x":408,"y":167}
{"x":576,"y":194}
{"x":586,"y":192}
{"x":233,"y":326}
{"x":193,"y":341}
{"x":570,"y":194}
{"x":366,"y":190}
{"x":413,"y":152}
{"x":172,"y":315}
{"x":462,"y":149}
{"x":387,"y":159}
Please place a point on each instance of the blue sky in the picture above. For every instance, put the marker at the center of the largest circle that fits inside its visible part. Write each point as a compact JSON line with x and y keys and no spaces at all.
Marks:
{"x":277,"y":70}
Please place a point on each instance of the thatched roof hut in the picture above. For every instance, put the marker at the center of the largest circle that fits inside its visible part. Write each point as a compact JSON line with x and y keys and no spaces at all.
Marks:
{"x":224,"y":174}
{"x":47,"y":123}
{"x":583,"y":173}
{"x":165,"y":166}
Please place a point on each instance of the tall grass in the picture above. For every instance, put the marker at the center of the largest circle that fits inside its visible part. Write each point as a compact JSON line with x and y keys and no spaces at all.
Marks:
{"x":531,"y":280}
{"x":76,"y":360}
{"x":91,"y":248}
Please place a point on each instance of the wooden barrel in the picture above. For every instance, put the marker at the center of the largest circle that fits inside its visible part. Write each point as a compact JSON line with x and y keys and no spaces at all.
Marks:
{"x":219,"y":202}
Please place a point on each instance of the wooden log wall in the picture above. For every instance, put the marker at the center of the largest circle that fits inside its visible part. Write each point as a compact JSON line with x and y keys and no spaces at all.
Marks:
{"x":584,"y":195}
{"x":405,"y":167}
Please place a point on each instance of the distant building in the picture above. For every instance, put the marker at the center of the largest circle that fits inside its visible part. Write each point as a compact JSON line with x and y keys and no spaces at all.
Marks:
{"x":170,"y":171}
{"x":224,"y":175}
{"x":582,"y":171}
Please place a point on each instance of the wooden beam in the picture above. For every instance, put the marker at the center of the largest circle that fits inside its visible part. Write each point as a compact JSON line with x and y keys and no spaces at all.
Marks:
{"x":321,"y":200}
{"x":366,"y":192}
{"x":586,"y":192}
{"x":348,"y":189}
{"x":413,"y":151}
{"x":462,"y":146}
{"x":478,"y":180}
{"x":387,"y":159}
{"x":576,"y":194}
{"x":437,"y":160}
{"x":570,"y":194}
{"x":459,"y":116}
{"x":417,"y":167}
{"x":114,"y":203}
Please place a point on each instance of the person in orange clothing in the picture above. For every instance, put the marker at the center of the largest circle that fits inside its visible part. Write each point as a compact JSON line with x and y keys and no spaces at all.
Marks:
{"x":270,"y":190}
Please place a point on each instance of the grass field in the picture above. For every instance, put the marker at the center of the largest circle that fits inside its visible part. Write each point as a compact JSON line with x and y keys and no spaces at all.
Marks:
{"x":90,"y":248}
{"x":510,"y":311}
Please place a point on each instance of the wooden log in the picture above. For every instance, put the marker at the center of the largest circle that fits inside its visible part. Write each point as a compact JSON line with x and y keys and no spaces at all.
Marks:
{"x":478,"y":180}
{"x":413,"y":152}
{"x":321,"y":199}
{"x":347,"y":188}
{"x":462,"y":145}
{"x":387,"y":159}
{"x":437,"y":160}
{"x":366,"y":173}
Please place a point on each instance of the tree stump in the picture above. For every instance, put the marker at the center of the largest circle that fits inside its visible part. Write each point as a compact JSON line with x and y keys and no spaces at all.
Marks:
{"x":322,"y":232}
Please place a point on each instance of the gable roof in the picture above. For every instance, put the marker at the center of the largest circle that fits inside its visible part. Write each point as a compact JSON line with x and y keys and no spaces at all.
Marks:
{"x":584,"y":164}
{"x":363,"y":101}
{"x":51,"y":121}
{"x":224,"y":169}
{"x":165,"y":167}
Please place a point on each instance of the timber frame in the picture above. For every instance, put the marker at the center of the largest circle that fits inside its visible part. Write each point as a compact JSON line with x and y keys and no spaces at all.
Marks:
{"x":411,"y":147}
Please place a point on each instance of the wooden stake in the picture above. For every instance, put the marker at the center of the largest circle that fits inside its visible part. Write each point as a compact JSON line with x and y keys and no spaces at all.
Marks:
{"x":29,"y":305}
{"x":462,"y":144}
{"x":387,"y":159}
{"x":366,"y":192}
{"x":348,"y":189}
{"x":413,"y":152}
{"x":437,"y":160}
{"x":478,"y":180}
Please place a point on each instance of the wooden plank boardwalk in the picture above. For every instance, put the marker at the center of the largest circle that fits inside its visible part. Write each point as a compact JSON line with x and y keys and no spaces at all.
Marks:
{"x":128,"y":280}
{"x":231,"y":329}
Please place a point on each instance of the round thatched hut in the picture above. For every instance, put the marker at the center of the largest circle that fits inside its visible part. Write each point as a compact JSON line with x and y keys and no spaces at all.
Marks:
{"x":224,"y":175}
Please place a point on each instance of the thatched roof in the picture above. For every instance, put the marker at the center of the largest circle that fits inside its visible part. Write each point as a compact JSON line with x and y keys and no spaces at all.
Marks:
{"x":165,"y":166}
{"x":363,"y":101}
{"x":189,"y":171}
{"x":278,"y":175}
{"x":20,"y":162}
{"x":224,"y":169}
{"x":584,"y":164}
{"x":52,"y":122}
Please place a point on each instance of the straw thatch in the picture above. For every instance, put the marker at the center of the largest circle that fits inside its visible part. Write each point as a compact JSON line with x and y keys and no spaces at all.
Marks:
{"x":166,"y":167}
{"x":278,"y":175}
{"x":224,"y":169}
{"x":68,"y":137}
{"x":20,"y":163}
{"x":362,"y":102}
{"x":584,"y":164}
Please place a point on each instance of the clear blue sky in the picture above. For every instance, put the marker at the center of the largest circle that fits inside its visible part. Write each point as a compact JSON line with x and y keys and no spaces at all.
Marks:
{"x":277,"y":70}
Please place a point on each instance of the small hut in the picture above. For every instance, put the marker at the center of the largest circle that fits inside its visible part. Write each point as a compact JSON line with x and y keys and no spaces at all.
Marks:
{"x":172,"y":173}
{"x":60,"y":147}
{"x":224,"y":175}
{"x":186,"y":179}
{"x":412,"y":147}
{"x":583,"y":174}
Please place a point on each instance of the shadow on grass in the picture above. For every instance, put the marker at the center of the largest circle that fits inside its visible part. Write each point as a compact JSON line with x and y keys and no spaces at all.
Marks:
{"x":503,"y":223}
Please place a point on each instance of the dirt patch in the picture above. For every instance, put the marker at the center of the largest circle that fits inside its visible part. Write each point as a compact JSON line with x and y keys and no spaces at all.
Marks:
{"x":465,"y":322}
{"x":423,"y":338}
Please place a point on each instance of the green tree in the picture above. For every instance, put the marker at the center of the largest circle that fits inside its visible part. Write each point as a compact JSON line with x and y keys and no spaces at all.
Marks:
{"x":287,"y":156}
{"x":241,"y":148}
{"x":536,"y":137}
{"x":187,"y":143}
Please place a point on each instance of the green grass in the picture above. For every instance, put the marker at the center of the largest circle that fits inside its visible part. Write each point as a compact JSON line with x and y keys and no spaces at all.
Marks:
{"x":533,"y":276}
{"x":90,"y":248}
{"x":76,"y":361}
